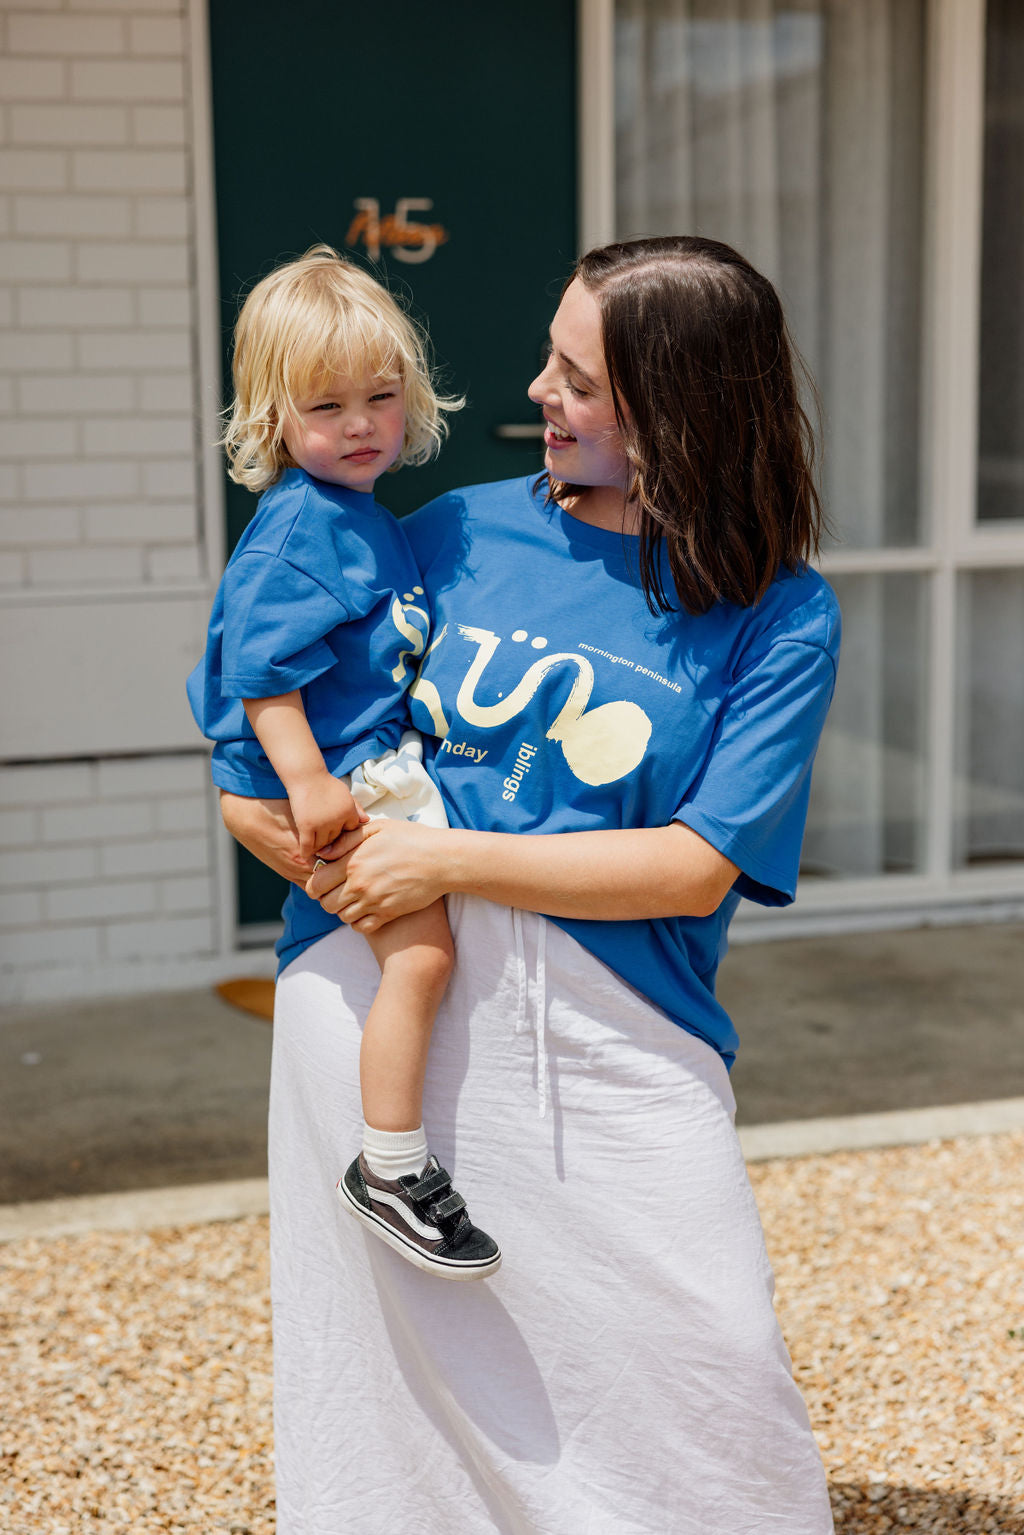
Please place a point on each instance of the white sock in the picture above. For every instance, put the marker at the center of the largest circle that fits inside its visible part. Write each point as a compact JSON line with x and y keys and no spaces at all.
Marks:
{"x":393,"y":1154}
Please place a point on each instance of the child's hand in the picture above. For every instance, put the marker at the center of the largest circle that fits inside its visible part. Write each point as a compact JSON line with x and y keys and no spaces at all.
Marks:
{"x":323,"y":808}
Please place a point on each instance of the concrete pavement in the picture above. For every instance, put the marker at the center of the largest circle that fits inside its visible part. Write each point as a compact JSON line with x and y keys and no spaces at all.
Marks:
{"x":168,"y":1089}
{"x":870,"y":1022}
{"x":131,"y":1093}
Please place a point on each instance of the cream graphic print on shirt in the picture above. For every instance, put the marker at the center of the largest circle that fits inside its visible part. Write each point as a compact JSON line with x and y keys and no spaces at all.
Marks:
{"x":401,"y":612}
{"x":599,"y":744}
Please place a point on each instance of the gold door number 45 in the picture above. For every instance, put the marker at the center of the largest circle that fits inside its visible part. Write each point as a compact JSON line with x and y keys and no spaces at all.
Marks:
{"x":404,"y":238}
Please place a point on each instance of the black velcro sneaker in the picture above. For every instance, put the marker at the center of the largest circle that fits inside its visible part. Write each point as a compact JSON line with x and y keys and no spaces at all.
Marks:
{"x":424,"y":1219}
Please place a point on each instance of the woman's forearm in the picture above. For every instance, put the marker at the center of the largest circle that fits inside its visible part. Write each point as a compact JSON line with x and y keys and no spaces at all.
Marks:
{"x":392,"y":867}
{"x":605,"y":875}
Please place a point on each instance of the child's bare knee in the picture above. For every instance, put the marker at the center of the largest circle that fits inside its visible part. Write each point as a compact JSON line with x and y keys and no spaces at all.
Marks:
{"x":426,"y":966}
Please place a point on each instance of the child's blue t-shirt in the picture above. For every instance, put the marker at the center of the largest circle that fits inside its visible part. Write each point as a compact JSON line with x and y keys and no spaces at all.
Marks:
{"x":322,"y":594}
{"x":552,"y":700}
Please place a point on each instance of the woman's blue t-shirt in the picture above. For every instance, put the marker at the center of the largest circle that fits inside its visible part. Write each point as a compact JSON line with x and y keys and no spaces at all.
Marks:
{"x":551,"y":700}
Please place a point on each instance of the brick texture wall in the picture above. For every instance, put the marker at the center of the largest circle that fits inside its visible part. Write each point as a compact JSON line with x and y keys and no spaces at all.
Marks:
{"x":107,"y":866}
{"x":97,"y":451}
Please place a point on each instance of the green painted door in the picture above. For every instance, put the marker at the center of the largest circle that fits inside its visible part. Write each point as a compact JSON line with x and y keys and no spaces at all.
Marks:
{"x":437,"y":144}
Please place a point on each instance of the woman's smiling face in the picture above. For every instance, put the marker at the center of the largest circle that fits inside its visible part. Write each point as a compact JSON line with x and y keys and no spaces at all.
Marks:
{"x":582,"y":440}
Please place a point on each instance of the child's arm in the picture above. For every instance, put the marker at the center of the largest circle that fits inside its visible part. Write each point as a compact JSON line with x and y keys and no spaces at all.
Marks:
{"x":321,"y":804}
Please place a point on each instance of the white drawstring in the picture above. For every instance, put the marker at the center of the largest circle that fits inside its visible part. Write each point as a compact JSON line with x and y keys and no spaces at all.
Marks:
{"x":541,"y":1007}
{"x":540,"y":1001}
{"x":517,"y":928}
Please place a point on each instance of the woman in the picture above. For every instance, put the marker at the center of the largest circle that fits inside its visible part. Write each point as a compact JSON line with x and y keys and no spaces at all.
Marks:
{"x":629,"y":671}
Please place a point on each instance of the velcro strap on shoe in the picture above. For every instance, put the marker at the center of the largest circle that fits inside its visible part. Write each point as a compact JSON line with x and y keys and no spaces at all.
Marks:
{"x":446,"y":1208}
{"x":435,"y":1183}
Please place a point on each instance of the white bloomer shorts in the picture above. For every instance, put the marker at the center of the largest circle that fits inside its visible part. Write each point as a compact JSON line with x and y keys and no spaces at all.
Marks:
{"x":396,"y":786}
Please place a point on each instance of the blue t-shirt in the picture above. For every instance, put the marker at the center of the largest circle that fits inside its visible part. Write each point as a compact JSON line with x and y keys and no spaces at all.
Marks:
{"x":551,"y":700}
{"x":322,"y":594}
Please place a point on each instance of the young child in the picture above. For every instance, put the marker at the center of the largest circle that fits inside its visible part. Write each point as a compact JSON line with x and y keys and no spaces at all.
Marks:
{"x":302,"y":687}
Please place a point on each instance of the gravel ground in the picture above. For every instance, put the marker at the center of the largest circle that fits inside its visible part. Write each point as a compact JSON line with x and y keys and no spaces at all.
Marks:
{"x":137,"y":1366}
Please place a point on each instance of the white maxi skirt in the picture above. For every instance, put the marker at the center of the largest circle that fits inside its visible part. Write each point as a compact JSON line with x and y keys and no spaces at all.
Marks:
{"x":623,"y":1374}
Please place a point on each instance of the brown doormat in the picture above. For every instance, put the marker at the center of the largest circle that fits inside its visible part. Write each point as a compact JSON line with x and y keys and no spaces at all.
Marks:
{"x":253,"y":994}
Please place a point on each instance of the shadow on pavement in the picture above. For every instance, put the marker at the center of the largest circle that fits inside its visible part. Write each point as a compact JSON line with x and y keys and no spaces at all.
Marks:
{"x":877,"y":1510}
{"x":868,"y":1022}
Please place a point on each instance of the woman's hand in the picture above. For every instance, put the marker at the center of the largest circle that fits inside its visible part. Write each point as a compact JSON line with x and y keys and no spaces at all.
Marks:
{"x":382,"y":871}
{"x":266,"y":828}
{"x":390,"y":867}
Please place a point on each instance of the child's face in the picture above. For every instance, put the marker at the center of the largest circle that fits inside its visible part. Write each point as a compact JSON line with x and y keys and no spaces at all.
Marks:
{"x":349,"y":434}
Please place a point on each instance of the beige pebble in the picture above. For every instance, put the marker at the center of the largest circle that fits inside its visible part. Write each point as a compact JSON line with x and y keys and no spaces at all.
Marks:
{"x":140,"y":1362}
{"x":898,"y":1282}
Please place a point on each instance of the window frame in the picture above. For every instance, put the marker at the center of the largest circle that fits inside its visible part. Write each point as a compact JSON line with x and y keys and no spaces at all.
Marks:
{"x":954,"y":541}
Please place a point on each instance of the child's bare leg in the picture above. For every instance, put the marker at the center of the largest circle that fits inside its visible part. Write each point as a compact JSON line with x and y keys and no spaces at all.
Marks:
{"x":395,"y":1187}
{"x":415,"y":955}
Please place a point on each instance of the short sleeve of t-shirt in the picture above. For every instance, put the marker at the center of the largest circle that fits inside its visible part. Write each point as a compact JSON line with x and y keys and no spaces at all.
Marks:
{"x":276,"y":617}
{"x":750,"y":798}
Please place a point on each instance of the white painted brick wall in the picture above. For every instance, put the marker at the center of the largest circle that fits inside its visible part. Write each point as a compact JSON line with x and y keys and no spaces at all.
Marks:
{"x":12,"y":570}
{"x":174,"y":566}
{"x":73,"y":217}
{"x":107,"y":867}
{"x":32,"y":79}
{"x":65,"y":35}
{"x":105,"y":863}
{"x":70,"y":124}
{"x":128,"y":81}
{"x":159,"y":125}
{"x":95,"y":264}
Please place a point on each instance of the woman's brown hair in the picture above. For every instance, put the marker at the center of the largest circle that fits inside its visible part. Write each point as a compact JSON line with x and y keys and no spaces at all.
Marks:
{"x":721,"y":451}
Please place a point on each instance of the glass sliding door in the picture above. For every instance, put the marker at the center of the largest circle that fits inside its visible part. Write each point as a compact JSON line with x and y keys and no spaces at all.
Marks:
{"x":830,"y":142}
{"x":1001,"y":395}
{"x":989,"y":802}
{"x":867,"y":812}
{"x":794,"y":131}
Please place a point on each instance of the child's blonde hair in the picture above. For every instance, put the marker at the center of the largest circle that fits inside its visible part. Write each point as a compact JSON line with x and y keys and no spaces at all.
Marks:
{"x":306,"y":322}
